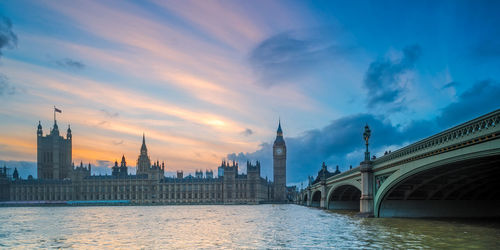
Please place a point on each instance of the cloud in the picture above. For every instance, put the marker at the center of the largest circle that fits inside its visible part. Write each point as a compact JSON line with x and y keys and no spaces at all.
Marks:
{"x":247,"y":132}
{"x":117,"y":142}
{"x":292,"y":54}
{"x":70,"y":64}
{"x":341,"y":143}
{"x":450,"y":85}
{"x":6,"y":87}
{"x":109,"y":114}
{"x":385,"y":79}
{"x":8,"y":39}
{"x":482,"y":97}
{"x":331,"y":144}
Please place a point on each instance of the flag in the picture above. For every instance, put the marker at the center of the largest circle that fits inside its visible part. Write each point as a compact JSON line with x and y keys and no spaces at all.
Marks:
{"x":57,"y":110}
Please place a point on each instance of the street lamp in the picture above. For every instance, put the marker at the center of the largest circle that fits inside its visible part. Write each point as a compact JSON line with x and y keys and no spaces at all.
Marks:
{"x":366,"y":136}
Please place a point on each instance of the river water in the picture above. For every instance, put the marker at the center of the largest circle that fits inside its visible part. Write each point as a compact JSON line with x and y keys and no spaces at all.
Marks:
{"x":253,"y":227}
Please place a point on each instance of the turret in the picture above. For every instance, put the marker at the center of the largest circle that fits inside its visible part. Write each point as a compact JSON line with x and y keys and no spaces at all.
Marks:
{"x":115,"y":169}
{"x":144,"y":149}
{"x":39,"y":131}
{"x":123,"y":167}
{"x":55,"y":129}
{"x":15,"y":175}
{"x":68,"y":133}
{"x":123,"y":163}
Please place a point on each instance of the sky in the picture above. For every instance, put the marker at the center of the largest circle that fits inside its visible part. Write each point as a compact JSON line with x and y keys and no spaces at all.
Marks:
{"x":208,"y":80}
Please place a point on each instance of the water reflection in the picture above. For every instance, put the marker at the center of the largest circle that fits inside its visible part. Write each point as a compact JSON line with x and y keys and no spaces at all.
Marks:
{"x":263,"y":226}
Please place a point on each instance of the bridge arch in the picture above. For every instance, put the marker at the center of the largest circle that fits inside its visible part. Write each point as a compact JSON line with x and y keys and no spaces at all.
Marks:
{"x":316,"y":199}
{"x":304,"y":200}
{"x":344,"y":195}
{"x":457,"y":184}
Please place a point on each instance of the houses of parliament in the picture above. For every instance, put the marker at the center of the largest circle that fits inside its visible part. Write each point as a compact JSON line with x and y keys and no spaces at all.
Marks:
{"x":60,"y":182}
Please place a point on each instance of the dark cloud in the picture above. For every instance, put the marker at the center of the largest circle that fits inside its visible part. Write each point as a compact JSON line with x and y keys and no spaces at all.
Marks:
{"x":70,"y":64}
{"x":6,"y":88}
{"x":291,"y":54}
{"x":384,"y":77}
{"x":482,"y":97}
{"x":341,"y":143}
{"x":247,"y":132}
{"x":8,"y":39}
{"x":488,"y":48}
{"x":331,"y":144}
{"x":450,"y":85}
{"x":109,"y":113}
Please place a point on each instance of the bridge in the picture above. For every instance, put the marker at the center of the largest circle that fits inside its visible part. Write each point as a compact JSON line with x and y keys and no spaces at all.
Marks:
{"x":455,"y":173}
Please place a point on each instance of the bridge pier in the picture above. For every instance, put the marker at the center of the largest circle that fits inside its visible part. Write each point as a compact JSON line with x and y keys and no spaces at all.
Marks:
{"x":366,"y":200}
{"x":323,"y":202}
{"x":309,"y":197}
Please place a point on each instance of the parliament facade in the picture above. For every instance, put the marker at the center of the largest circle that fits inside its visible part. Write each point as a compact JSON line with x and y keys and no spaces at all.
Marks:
{"x":59,"y":181}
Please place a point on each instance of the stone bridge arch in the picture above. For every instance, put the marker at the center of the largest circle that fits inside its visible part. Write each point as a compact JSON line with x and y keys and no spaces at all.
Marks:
{"x":304,"y":200}
{"x":344,"y":195}
{"x":460,"y":183}
{"x":316,"y":199}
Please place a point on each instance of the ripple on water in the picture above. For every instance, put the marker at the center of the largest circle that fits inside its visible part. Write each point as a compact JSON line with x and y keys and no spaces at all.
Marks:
{"x":263,"y":226}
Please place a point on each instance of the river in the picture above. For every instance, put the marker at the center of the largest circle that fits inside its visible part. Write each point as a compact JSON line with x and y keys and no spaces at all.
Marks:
{"x":252,"y":227}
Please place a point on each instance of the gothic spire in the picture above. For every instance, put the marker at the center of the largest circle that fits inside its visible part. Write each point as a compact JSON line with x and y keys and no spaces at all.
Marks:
{"x":279,"y":132}
{"x":144,"y":149}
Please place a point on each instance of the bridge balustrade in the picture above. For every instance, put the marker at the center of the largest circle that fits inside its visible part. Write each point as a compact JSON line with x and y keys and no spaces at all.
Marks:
{"x":453,"y":173}
{"x":461,"y":133}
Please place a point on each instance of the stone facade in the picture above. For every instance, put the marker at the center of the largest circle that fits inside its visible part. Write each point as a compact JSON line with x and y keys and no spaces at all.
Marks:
{"x":54,"y":154}
{"x":279,"y":166}
{"x":62,"y":182}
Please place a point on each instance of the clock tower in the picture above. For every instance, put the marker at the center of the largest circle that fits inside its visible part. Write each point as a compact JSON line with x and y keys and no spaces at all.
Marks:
{"x":279,"y":166}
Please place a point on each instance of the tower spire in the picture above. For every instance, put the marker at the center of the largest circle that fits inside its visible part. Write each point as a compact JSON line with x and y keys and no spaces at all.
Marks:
{"x":144,"y":149}
{"x":279,"y":132}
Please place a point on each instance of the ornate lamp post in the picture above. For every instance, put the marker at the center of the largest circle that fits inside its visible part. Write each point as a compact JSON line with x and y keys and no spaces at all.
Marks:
{"x":366,"y":200}
{"x":366,"y":136}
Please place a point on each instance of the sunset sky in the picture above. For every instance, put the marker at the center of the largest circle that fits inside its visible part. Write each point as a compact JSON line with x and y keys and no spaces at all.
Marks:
{"x":208,"y":80}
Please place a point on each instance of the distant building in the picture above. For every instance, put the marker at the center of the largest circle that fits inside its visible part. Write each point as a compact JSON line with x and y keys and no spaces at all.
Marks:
{"x":60,"y":181}
{"x":209,"y":174}
{"x":198,"y":174}
{"x":180,"y":174}
{"x":279,"y":166}
{"x":220,"y":171}
{"x":54,"y":154}
{"x":324,"y":174}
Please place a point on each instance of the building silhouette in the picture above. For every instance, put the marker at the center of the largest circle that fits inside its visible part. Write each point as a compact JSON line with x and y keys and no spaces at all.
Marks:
{"x":54,"y":154}
{"x":279,"y":166}
{"x":59,"y":181}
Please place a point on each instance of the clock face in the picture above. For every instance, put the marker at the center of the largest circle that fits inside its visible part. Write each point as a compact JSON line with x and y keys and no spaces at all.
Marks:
{"x":279,"y":151}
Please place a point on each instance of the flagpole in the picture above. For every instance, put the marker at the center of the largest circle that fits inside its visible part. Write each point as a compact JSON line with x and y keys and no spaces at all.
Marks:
{"x":54,"y":114}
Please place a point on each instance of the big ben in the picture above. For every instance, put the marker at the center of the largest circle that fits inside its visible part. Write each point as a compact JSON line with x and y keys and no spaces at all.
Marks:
{"x":279,"y":166}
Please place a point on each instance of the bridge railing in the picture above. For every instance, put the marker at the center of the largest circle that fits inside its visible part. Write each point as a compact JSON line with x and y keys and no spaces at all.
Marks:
{"x":480,"y":125}
{"x":354,"y":170}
